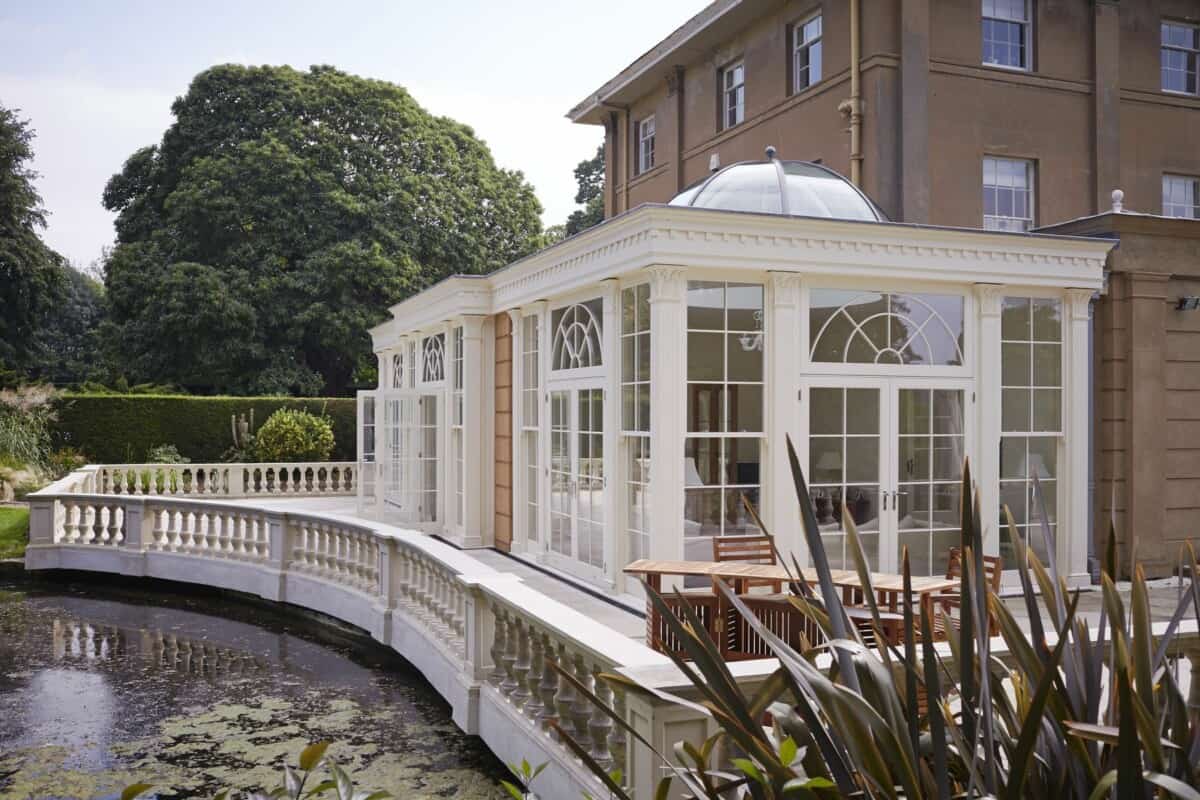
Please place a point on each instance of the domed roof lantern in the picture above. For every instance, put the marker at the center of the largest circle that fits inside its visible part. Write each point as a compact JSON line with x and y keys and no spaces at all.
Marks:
{"x":789,"y":188}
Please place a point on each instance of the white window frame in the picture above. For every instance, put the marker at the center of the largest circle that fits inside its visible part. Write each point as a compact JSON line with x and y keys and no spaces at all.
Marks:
{"x":737,"y":90}
{"x":646,"y":144}
{"x":1192,"y":54}
{"x":1026,"y":23}
{"x":1181,"y":210}
{"x":993,"y":221}
{"x":801,"y":45}
{"x":458,"y":444}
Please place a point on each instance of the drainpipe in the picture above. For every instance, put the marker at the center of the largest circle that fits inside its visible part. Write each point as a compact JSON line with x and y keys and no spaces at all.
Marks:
{"x":854,"y":106}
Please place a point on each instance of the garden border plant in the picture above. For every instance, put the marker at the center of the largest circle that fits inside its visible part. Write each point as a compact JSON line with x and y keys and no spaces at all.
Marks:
{"x":901,"y":722}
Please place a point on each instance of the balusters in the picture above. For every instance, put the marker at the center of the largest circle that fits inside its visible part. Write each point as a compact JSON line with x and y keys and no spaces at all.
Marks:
{"x":600,"y":725}
{"x":548,"y":686}
{"x":617,"y":739}
{"x":499,"y":646}
{"x":521,"y":666}
{"x":88,"y":523}
{"x":564,"y":700}
{"x":509,"y":657}
{"x":537,"y":654}
{"x":581,"y":708}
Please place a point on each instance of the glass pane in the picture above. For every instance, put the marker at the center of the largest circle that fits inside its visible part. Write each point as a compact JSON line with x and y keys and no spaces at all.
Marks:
{"x":737,"y":519}
{"x":628,"y":409}
{"x":705,"y":356}
{"x":920,"y":561}
{"x":745,"y":356}
{"x":1014,"y":496}
{"x":1047,"y":365}
{"x":862,"y":460}
{"x":745,"y":408}
{"x":825,"y":459}
{"x":628,"y":358}
{"x":947,"y":458}
{"x":825,"y":412}
{"x":1014,"y":409}
{"x":942,"y":542}
{"x":862,"y":410}
{"x":914,"y":411}
{"x":706,"y":305}
{"x":706,"y":413}
{"x":702,"y":513}
{"x":912,"y":505}
{"x":628,"y":312}
{"x":643,"y":407}
{"x":1015,"y":319}
{"x":643,"y":357}
{"x":742,"y":461}
{"x":1050,"y":497}
{"x":1047,"y":410}
{"x":948,"y":412}
{"x":1015,"y":368}
{"x":827,"y":506}
{"x":1012,"y":457}
{"x":863,"y":505}
{"x":745,"y":302}
{"x":946,"y":511}
{"x":914,"y":460}
{"x":1043,"y":457}
{"x":1047,"y":320}
{"x":702,"y":462}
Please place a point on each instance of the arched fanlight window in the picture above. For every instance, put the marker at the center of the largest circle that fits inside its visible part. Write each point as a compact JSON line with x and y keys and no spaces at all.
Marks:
{"x":398,"y":370}
{"x":433,"y":356}
{"x":577,"y":336}
{"x":886,"y":328}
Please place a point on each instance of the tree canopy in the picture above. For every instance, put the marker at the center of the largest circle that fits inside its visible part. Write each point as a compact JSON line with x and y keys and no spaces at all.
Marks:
{"x":589,"y":178}
{"x":281,"y":214}
{"x":31,"y":275}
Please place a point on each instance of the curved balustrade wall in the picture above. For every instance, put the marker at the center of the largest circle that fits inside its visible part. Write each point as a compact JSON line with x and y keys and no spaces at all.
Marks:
{"x":481,"y":637}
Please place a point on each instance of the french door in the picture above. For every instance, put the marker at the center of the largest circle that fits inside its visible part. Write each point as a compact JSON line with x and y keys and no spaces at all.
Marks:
{"x":888,"y":452}
{"x":577,"y":480}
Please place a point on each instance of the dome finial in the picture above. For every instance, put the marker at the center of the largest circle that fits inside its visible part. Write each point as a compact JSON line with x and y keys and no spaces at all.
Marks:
{"x":770,"y":152}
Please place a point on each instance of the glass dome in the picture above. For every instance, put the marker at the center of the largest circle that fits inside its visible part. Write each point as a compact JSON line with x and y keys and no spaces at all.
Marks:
{"x":794,"y":188}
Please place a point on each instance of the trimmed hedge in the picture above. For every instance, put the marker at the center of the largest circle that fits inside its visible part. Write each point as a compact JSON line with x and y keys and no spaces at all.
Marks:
{"x":121,"y":428}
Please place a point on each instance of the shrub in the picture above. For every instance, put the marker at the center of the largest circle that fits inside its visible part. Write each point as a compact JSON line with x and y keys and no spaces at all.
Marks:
{"x":115,"y":429}
{"x":63,"y":461}
{"x":26,"y":414}
{"x":165,"y":454}
{"x":291,"y":435}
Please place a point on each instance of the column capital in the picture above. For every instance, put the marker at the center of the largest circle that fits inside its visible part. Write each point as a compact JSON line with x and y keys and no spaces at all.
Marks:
{"x":1079,"y":302}
{"x":536,"y":307}
{"x":514,"y":316}
{"x":667,"y":284}
{"x":472,"y":326}
{"x":786,"y":286}
{"x":991,"y":298}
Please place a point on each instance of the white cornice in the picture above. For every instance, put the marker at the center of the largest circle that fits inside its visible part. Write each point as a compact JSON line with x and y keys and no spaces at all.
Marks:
{"x":688,"y":237}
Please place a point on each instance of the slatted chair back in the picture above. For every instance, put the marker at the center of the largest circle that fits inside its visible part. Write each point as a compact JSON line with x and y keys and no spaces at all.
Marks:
{"x":748,"y":550}
{"x":993,"y":568}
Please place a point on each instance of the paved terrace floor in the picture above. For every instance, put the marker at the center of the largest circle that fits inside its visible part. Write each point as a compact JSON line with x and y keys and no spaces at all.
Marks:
{"x":624,"y":615}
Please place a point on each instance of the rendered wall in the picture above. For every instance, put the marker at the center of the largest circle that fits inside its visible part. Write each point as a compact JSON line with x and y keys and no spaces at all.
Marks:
{"x":504,"y":428}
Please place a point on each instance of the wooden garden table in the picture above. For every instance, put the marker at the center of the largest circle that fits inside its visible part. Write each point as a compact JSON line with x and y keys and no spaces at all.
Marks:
{"x":889,"y":588}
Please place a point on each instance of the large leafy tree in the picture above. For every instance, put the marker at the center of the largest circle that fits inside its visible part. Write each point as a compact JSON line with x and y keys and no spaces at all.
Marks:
{"x":31,"y":274}
{"x":280,"y":216}
{"x":589,"y":180}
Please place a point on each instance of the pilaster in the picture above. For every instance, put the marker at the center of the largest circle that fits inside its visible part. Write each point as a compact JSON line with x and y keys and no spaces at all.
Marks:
{"x":1146,"y":399}
{"x":475,"y":448}
{"x":668,"y":409}
{"x":516,"y":407}
{"x":1074,"y":530}
{"x":616,"y":545}
{"x":780,"y":511}
{"x":986,"y":465}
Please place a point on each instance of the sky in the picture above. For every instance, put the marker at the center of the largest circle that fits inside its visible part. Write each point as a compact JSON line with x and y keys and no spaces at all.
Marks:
{"x":96,"y":80}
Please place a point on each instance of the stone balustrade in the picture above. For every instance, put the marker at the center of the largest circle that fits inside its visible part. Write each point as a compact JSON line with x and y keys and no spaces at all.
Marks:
{"x":226,"y":480}
{"x":495,"y":648}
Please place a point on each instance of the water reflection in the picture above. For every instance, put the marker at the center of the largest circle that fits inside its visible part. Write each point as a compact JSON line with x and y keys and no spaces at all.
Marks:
{"x":96,"y":693}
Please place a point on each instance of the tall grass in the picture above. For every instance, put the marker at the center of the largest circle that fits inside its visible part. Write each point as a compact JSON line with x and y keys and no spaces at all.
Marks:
{"x":25,"y":417}
{"x":1071,"y":711}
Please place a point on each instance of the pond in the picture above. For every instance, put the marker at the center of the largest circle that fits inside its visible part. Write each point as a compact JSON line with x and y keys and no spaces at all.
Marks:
{"x":101,"y":687}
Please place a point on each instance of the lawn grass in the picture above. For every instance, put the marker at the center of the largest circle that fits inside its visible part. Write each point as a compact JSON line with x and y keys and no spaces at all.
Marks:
{"x":14,"y":531}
